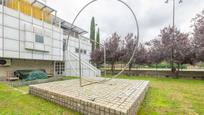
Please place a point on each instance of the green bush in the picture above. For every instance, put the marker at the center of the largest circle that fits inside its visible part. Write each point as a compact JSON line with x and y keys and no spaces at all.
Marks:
{"x":166,"y":65}
{"x":163,"y":65}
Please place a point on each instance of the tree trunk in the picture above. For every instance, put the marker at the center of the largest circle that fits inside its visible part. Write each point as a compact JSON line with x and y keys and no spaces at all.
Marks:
{"x":156,"y":70}
{"x":97,"y":66}
{"x":130,"y":66}
{"x":112,"y":68}
{"x":178,"y":70}
{"x":173,"y":69}
{"x":179,"y":66}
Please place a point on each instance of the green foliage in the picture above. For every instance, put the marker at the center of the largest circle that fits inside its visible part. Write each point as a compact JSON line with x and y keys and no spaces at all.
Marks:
{"x":200,"y":64}
{"x":92,"y":33}
{"x":98,"y":39}
{"x":165,"y":65}
{"x":162,"y":65}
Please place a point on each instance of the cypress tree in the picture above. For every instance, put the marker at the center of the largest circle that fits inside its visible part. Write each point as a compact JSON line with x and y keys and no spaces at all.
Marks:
{"x":92,"y":33}
{"x":98,"y":39}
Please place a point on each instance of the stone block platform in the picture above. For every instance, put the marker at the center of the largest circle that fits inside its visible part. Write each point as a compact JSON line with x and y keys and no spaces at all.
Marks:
{"x":115,"y":97}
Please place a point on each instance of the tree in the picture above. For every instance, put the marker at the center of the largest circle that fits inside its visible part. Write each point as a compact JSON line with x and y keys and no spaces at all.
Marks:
{"x":198,"y":36}
{"x":155,"y":53}
{"x":183,"y":52}
{"x":169,"y":44}
{"x":141,"y":55}
{"x":113,"y":50}
{"x":128,"y":48}
{"x":98,"y":39}
{"x":92,"y":33}
{"x":97,"y":56}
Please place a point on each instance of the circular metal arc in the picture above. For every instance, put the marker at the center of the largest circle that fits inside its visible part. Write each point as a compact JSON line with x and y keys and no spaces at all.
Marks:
{"x":135,"y":48}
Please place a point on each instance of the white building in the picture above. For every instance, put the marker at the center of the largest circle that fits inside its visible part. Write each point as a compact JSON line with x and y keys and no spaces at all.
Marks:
{"x":33,"y":37}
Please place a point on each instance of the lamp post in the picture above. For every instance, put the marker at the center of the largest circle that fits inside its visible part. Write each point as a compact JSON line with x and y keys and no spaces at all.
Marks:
{"x":173,"y":36}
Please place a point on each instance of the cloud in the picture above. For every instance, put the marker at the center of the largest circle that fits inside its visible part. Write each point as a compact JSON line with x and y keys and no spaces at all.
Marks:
{"x":111,"y":16}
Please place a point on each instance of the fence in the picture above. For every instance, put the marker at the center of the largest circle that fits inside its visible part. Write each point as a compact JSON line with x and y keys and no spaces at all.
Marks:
{"x":163,"y":73}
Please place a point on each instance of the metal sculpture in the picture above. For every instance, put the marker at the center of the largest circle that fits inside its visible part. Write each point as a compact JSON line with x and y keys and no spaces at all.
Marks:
{"x":79,"y":45}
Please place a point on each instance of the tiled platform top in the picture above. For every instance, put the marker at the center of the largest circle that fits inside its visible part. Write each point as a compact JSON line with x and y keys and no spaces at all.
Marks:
{"x":116,"y":94}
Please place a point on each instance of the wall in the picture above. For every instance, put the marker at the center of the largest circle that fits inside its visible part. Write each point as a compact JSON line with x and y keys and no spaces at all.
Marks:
{"x":72,"y":59}
{"x":85,"y":45}
{"x":17,"y":37}
{"x":163,"y":73}
{"x":17,"y":64}
{"x":72,"y":67}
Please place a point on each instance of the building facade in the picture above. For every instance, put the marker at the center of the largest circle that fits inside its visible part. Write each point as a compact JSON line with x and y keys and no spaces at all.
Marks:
{"x":32,"y":37}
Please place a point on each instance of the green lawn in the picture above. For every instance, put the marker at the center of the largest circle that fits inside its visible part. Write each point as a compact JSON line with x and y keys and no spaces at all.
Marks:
{"x":166,"y":96}
{"x":14,"y":101}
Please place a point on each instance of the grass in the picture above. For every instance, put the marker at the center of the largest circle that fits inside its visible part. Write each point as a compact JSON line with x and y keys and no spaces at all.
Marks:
{"x":16,"y":101}
{"x":165,"y":96}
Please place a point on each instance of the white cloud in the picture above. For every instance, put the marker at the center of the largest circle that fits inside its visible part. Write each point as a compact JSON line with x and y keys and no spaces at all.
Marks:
{"x":111,"y":16}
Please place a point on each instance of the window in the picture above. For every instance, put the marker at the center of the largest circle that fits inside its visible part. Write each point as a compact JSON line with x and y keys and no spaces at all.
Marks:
{"x":64,"y":44}
{"x":85,"y":52}
{"x":82,"y":51}
{"x":76,"y":50}
{"x":71,"y":33}
{"x":39,"y":38}
{"x":2,"y":1}
{"x":76,"y":35}
{"x":59,"y":68}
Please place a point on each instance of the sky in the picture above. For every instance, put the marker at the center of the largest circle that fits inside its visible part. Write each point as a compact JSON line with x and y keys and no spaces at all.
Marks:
{"x":112,"y":16}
